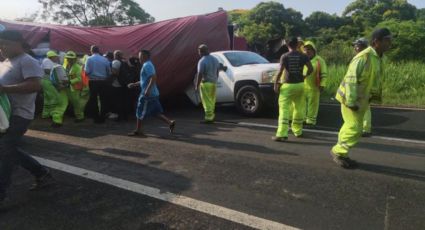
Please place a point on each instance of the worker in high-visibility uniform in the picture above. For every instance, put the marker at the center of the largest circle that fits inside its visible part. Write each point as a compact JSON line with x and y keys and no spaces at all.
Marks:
{"x":314,"y":83}
{"x":50,"y":94}
{"x":361,"y":84}
{"x":206,"y":81}
{"x":359,"y":45}
{"x":291,"y":92}
{"x":60,"y":80}
{"x":78,"y":93}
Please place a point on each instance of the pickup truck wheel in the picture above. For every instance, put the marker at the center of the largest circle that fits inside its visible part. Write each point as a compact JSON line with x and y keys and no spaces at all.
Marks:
{"x":248,"y":100}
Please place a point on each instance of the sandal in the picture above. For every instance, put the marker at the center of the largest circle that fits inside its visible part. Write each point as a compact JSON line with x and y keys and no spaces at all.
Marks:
{"x":136,"y":134}
{"x":172,"y":125}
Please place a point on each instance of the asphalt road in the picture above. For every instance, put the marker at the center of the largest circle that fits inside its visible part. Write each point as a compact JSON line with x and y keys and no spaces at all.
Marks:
{"x":228,"y":165}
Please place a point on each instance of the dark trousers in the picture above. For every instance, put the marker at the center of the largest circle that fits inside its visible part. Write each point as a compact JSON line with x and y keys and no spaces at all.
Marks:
{"x":11,"y":155}
{"x":120,"y":102}
{"x":98,"y":92}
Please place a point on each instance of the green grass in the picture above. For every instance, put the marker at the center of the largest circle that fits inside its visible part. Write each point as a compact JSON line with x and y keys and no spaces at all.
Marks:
{"x":404,"y":84}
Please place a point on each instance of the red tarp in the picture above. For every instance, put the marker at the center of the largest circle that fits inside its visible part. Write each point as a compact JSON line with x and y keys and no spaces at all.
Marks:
{"x":173,"y":43}
{"x":240,"y":43}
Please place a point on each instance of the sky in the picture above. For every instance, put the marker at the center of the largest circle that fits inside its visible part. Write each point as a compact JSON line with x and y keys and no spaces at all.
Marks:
{"x":167,"y":9}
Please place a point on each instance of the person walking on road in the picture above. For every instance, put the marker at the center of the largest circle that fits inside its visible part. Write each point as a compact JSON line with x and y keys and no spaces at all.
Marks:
{"x":291,"y":92}
{"x":78,"y":92}
{"x":148,"y":104}
{"x":360,"y":86}
{"x":314,"y":83}
{"x":20,"y":79}
{"x":98,"y":69}
{"x":359,"y":45}
{"x":206,"y":81}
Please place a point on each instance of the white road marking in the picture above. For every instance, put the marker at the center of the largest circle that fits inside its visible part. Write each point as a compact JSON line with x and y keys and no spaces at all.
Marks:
{"x":380,"y":107}
{"x":187,"y":202}
{"x":249,"y":124}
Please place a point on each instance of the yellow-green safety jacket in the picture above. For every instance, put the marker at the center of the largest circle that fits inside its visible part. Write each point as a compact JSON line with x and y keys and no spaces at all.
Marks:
{"x":74,"y":75}
{"x":316,"y":79}
{"x":363,"y":81}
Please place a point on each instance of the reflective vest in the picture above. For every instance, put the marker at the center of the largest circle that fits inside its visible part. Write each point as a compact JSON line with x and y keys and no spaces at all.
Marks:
{"x":319,"y":75}
{"x":363,"y":80}
{"x":75,"y":76}
{"x":5,"y":111}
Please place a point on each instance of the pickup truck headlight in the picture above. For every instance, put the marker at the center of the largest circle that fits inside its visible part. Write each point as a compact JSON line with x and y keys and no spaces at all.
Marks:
{"x":268,"y":76}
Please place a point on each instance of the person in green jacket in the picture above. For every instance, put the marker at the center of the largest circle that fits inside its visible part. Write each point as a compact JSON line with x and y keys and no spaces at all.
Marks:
{"x":78,"y":93}
{"x":60,"y":81}
{"x":314,"y":83}
{"x":291,"y":92}
{"x":50,"y":94}
{"x":359,"y":45}
{"x":361,"y":85}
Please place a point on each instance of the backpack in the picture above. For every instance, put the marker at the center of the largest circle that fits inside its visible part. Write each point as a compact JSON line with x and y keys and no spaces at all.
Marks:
{"x":58,"y":77}
{"x":124,"y":77}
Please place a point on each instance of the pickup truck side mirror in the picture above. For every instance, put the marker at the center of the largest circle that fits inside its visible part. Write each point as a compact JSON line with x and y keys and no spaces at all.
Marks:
{"x":222,"y":67}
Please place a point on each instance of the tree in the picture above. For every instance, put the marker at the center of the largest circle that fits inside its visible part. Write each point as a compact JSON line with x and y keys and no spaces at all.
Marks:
{"x":319,"y":20}
{"x":409,"y":37}
{"x":238,"y":18}
{"x":28,"y":18}
{"x":267,"y":21}
{"x":368,"y":13}
{"x":94,"y":12}
{"x":420,"y":14}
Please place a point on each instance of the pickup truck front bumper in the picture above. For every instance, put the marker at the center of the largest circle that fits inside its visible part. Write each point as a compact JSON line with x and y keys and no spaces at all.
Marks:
{"x":267,"y":94}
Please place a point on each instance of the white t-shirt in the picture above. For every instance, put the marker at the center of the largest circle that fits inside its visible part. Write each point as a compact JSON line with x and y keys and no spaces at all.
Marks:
{"x":16,"y":71}
{"x":47,"y":64}
{"x":116,"y":65}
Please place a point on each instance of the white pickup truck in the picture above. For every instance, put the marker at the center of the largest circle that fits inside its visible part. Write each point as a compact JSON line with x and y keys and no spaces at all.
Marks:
{"x":246,"y":80}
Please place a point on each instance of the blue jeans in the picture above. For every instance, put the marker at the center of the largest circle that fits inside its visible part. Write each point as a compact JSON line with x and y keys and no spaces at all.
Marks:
{"x":11,"y":155}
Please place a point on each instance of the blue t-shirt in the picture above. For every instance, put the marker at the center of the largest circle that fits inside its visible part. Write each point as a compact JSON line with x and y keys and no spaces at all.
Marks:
{"x":209,"y":66}
{"x":147,"y":72}
{"x":97,"y":67}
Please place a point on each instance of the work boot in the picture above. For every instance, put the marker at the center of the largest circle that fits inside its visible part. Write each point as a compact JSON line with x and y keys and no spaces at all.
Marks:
{"x":207,"y":122}
{"x":366,"y":134}
{"x":299,"y":136}
{"x":279,"y":139}
{"x":43,"y":181}
{"x":79,"y":120}
{"x":344,"y":162}
{"x":172,"y":126}
{"x":56,"y":125}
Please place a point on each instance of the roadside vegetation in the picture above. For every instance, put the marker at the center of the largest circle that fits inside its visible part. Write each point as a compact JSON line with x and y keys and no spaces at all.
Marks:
{"x":403,"y":84}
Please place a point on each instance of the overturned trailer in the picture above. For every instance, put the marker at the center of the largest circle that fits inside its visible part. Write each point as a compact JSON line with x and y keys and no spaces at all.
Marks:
{"x":173,"y":43}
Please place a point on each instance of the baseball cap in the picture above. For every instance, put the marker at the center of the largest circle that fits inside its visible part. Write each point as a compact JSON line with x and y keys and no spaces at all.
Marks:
{"x":361,"y":42}
{"x":203,"y":47}
{"x":70,"y":54}
{"x":51,"y":53}
{"x":381,"y":33}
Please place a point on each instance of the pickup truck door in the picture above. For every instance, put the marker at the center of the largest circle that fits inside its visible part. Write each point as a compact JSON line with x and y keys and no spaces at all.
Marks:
{"x":225,"y":82}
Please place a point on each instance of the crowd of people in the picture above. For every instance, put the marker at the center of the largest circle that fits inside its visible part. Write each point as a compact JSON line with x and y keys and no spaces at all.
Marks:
{"x":87,"y":83}
{"x":96,"y":86}
{"x":305,"y":75}
{"x":299,"y":82}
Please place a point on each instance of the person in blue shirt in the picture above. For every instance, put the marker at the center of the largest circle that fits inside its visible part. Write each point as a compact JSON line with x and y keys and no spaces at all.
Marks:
{"x":148,"y":103}
{"x":98,"y":69}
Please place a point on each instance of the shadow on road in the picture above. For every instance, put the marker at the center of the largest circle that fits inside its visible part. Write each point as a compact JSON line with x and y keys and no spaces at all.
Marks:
{"x":398,"y":149}
{"x":392,"y":171}
{"x":112,"y":161}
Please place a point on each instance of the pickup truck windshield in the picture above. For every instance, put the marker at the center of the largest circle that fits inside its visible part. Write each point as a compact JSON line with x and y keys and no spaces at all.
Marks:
{"x":244,"y":58}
